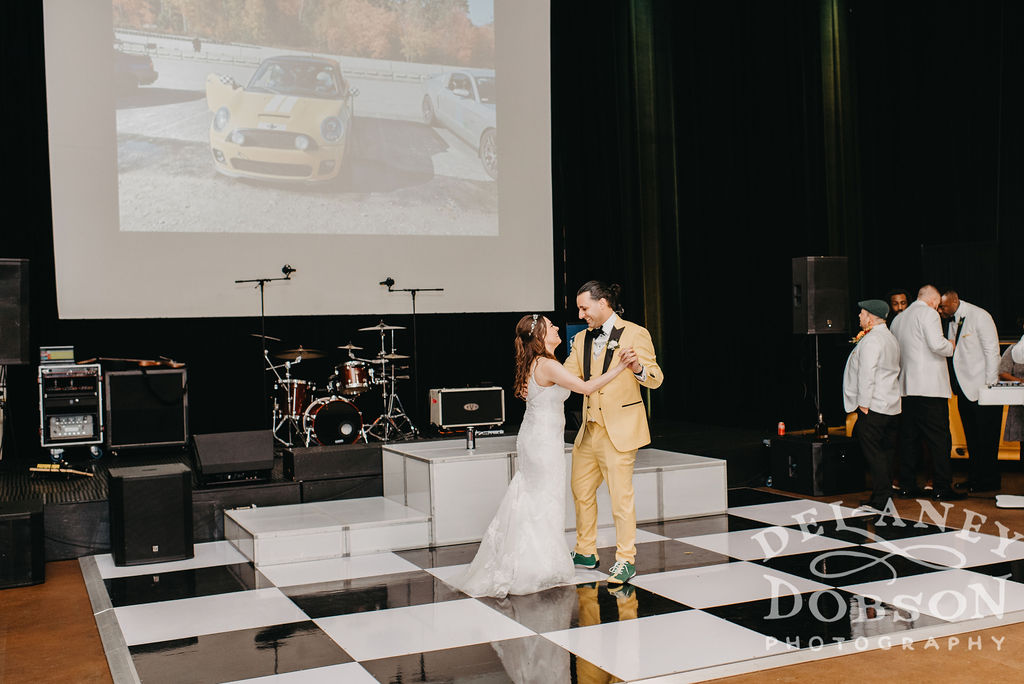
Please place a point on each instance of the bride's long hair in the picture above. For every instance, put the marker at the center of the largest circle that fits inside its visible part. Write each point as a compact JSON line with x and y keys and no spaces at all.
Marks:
{"x":529,"y":345}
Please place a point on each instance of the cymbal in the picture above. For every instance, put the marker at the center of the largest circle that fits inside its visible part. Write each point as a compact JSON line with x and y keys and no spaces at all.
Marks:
{"x":349,"y":346}
{"x":292,"y":354}
{"x":266,"y":337}
{"x":394,"y":357}
{"x":380,"y":327}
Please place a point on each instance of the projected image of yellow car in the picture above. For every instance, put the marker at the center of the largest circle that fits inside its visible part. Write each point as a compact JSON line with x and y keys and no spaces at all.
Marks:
{"x":291,"y":122}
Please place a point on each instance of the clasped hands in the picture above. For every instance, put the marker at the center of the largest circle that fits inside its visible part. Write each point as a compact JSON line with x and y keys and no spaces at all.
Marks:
{"x":628,"y":358}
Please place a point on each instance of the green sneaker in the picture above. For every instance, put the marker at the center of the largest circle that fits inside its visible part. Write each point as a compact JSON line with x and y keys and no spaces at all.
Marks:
{"x":621,"y":572}
{"x":581,"y":561}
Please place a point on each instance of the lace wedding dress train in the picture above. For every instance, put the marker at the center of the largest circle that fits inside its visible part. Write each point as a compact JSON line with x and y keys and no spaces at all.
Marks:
{"x":524,"y":549}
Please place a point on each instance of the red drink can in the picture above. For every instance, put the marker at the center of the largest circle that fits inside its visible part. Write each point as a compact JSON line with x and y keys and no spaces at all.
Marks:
{"x":782,"y":428}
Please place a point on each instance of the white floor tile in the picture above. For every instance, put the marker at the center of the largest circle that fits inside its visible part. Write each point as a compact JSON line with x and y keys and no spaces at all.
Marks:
{"x":151,"y":622}
{"x":606,"y":538}
{"x":793,"y":512}
{"x":452,"y":573}
{"x":951,"y":549}
{"x":333,"y":569}
{"x":430,"y":627}
{"x":725,"y":584}
{"x":350,"y":673}
{"x":663,"y":644}
{"x":206,"y":555}
{"x":953,"y":595}
{"x":767,"y":542}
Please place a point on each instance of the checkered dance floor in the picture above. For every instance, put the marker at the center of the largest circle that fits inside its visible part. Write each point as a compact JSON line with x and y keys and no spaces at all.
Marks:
{"x":719,"y":595}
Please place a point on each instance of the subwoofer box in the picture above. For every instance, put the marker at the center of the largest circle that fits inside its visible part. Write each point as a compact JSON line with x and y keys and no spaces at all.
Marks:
{"x":151,"y":514}
{"x":22,"y":550}
{"x":467,"y":407}
{"x":302,"y":464}
{"x":806,"y":465}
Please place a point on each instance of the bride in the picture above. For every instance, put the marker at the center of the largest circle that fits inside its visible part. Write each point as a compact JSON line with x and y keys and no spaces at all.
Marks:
{"x":524,"y":549}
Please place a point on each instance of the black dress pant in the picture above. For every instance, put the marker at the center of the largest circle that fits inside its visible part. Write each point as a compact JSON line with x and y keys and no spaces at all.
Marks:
{"x":981,"y":428}
{"x":925,"y":419}
{"x":877,"y":433}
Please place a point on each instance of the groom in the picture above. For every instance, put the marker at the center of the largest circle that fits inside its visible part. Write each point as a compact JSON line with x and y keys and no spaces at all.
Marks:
{"x":614,"y":425}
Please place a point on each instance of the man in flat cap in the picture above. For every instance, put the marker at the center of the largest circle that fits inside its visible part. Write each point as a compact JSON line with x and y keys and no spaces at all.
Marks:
{"x":871,"y":388}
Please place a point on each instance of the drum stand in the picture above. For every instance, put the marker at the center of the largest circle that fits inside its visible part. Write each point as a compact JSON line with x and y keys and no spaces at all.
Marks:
{"x":281,"y":416}
{"x":393,"y":424}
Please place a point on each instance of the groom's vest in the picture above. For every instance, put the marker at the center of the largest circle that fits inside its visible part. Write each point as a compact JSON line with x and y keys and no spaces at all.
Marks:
{"x":594,"y":400}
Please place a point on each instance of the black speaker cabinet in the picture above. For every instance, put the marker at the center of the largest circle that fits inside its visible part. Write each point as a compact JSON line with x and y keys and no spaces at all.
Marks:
{"x":146,"y":407}
{"x":328,"y":462}
{"x":22,"y":549}
{"x":151,"y":514}
{"x":233,"y":456}
{"x":14,"y":312}
{"x":806,"y":465}
{"x":820,"y":300}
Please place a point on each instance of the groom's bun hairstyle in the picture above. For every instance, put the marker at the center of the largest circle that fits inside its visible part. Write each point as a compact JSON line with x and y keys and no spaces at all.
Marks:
{"x":529,"y":344}
{"x":599,"y":290}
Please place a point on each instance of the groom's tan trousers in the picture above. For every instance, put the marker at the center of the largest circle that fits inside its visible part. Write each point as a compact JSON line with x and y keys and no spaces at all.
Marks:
{"x":595,"y":460}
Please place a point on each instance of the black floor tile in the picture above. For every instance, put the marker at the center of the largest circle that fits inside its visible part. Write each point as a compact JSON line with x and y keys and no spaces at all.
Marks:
{"x":865,"y":530}
{"x":243,"y":654}
{"x":582,"y":605}
{"x":181,"y":584}
{"x":745,"y":496}
{"x":850,"y":565}
{"x":821,"y":618}
{"x":1010,"y":570}
{"x":371,"y":593}
{"x":441,"y":557}
{"x":662,"y":556}
{"x":529,"y":659}
{"x":694,"y":527}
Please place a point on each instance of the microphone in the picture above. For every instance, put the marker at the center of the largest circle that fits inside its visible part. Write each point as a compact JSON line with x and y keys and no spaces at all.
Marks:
{"x":287,"y":270}
{"x":389,"y":281}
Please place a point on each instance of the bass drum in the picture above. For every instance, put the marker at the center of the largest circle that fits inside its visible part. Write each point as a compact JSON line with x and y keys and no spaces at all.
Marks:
{"x":332,"y":420}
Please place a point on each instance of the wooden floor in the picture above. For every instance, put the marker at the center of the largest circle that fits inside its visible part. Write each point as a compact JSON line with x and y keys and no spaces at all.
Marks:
{"x":48,"y":634}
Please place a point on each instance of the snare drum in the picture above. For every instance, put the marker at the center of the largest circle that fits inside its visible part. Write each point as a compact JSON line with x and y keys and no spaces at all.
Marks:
{"x":350,"y":379}
{"x":332,"y":420}
{"x":292,"y":397}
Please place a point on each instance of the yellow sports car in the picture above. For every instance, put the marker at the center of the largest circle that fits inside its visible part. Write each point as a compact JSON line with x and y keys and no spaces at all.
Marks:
{"x":292,"y":122}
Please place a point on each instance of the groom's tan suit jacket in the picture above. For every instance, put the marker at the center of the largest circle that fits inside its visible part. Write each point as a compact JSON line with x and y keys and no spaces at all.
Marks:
{"x":618,"y":405}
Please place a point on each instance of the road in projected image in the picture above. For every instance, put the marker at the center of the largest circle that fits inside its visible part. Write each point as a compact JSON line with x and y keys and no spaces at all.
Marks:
{"x":369,"y":147}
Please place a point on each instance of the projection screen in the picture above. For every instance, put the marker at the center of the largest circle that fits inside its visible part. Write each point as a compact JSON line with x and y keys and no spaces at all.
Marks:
{"x":195,"y":144}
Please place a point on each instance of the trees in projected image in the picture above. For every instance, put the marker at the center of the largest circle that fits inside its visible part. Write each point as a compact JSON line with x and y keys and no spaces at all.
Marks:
{"x":437,"y":31}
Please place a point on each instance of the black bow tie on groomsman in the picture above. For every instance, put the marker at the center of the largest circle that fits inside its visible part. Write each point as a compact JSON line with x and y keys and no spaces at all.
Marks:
{"x":594,"y":333}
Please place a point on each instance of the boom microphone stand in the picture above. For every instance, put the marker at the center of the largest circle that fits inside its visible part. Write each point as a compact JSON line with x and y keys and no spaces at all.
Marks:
{"x":413,"y":291}
{"x":261,"y":284}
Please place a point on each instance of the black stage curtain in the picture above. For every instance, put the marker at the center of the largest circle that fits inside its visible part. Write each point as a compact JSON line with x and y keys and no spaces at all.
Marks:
{"x":697,"y":147}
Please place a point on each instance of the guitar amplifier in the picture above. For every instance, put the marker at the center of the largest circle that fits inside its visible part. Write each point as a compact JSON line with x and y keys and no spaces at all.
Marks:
{"x":467,"y":407}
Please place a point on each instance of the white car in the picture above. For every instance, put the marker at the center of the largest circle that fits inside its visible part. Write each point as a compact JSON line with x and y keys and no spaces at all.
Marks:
{"x":464,"y":102}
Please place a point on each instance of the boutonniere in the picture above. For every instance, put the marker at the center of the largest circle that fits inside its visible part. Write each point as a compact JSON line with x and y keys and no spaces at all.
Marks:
{"x":613,"y":345}
{"x":859,"y":337}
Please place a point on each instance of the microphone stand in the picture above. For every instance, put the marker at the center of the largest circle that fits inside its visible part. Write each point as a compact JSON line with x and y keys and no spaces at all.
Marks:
{"x":261,"y":284}
{"x":415,"y":348}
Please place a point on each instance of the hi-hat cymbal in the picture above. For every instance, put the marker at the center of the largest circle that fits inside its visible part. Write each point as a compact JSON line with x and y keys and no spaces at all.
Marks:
{"x":380,"y":327}
{"x":292,"y":354}
{"x":349,"y":346}
{"x":266,"y":337}
{"x":393,"y":357}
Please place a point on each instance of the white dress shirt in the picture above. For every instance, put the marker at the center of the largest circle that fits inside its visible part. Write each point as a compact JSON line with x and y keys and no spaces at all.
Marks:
{"x":1018,"y":351}
{"x":976,"y":359}
{"x":599,"y":343}
{"x":923,"y":352}
{"x":872,"y":373}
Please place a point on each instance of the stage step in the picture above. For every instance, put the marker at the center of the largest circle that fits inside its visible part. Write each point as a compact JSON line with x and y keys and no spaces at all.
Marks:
{"x":328,"y":529}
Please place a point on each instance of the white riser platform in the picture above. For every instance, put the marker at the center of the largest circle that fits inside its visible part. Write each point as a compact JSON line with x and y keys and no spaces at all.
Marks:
{"x":329,"y":529}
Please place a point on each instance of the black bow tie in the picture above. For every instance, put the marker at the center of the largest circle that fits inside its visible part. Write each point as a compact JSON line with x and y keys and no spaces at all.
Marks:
{"x":594,"y":333}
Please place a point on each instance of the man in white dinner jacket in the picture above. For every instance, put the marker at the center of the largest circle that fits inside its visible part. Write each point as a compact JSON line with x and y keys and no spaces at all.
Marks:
{"x":924,"y":384}
{"x":975,"y":364}
{"x":1018,"y":351}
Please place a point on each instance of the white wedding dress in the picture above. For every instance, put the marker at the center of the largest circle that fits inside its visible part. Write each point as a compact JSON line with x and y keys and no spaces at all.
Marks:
{"x":524,"y":548}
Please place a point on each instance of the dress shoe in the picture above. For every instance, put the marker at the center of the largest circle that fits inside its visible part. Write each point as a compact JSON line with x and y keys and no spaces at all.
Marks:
{"x":948,"y":495}
{"x":910,"y":493}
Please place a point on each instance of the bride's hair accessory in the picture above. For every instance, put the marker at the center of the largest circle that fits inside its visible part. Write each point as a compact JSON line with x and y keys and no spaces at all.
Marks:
{"x":534,"y":324}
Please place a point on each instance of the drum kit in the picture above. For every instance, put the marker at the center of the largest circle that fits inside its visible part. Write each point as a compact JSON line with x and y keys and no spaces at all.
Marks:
{"x":303,"y":415}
